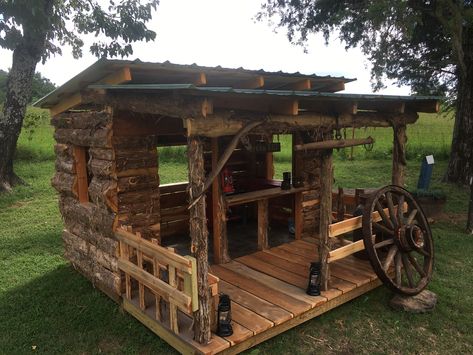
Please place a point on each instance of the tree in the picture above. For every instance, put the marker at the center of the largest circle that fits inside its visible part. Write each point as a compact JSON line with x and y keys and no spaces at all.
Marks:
{"x":426,"y":44}
{"x":40,"y":86}
{"x":35,"y":30}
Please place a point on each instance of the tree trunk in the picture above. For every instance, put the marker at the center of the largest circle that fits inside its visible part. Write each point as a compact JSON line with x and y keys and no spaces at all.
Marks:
{"x":199,"y":237}
{"x":469,"y":224}
{"x":460,"y":167}
{"x":26,"y":55}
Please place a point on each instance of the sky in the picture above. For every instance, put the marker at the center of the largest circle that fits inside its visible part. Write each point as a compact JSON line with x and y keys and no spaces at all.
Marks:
{"x":224,"y":32}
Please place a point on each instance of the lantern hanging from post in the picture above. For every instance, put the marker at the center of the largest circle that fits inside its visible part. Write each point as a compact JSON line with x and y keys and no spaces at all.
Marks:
{"x":313,"y":288}
{"x":224,"y":315}
{"x":227,"y":181}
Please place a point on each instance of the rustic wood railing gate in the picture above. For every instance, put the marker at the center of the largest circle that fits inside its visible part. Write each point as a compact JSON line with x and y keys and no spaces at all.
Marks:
{"x":156,"y":278}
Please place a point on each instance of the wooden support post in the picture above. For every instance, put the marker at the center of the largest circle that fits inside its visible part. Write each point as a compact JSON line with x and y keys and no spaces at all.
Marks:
{"x":219,"y":213}
{"x":341,"y":208}
{"x":399,"y":154}
{"x":298,"y":215}
{"x":199,"y":237}
{"x":326,"y":178}
{"x":263,"y":224}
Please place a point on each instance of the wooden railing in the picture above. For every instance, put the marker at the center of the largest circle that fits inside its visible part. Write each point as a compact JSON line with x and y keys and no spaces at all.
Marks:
{"x":160,"y":274}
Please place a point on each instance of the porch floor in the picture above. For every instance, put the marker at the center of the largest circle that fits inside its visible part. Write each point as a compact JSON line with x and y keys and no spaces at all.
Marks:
{"x":267,"y":289}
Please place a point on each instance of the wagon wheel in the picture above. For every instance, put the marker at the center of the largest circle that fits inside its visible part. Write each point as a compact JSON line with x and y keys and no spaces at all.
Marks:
{"x":398,"y":241}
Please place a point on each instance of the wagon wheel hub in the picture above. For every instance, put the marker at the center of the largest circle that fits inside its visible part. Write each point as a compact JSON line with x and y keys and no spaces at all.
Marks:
{"x":402,"y":252}
{"x":409,"y":237}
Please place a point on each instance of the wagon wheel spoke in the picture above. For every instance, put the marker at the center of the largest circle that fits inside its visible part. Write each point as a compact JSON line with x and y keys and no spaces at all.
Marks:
{"x":423,"y":252}
{"x":392,"y":214}
{"x":390,"y":257}
{"x":400,"y":210}
{"x":382,"y":228}
{"x":415,"y":264}
{"x":397,"y":263}
{"x":406,"y":245}
{"x":408,"y":270}
{"x":411,"y":217}
{"x":384,"y":243}
{"x":385,"y":218}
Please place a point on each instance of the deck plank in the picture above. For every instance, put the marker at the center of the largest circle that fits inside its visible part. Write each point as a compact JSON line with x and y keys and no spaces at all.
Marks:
{"x":265,"y":309}
{"x":254,"y":262}
{"x":276,"y":297}
{"x":305,"y":245}
{"x":286,"y":255}
{"x":308,"y":254}
{"x":348,"y":275}
{"x":250,"y":319}
{"x":240,"y":333}
{"x":276,"y":284}
{"x":301,"y":270}
{"x":355,"y":268}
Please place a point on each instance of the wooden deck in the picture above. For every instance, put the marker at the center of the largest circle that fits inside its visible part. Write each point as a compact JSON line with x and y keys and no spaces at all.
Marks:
{"x":268,"y":296}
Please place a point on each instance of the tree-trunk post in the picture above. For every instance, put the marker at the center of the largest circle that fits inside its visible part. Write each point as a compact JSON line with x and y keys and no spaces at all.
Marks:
{"x":326,"y":180}
{"x":469,"y":225}
{"x":199,"y":238}
{"x":399,"y":154}
{"x":219,"y":213}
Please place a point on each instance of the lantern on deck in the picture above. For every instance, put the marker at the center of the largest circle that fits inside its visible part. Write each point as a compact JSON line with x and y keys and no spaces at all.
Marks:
{"x":313,"y":288}
{"x":224,"y":314}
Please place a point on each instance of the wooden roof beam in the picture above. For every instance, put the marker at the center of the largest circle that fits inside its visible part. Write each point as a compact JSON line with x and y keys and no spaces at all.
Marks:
{"x":300,"y":85}
{"x":122,"y":75}
{"x":200,"y":79}
{"x":229,"y":123}
{"x":263,"y":104}
{"x":334,"y":87}
{"x":252,"y":83}
{"x":330,"y":106}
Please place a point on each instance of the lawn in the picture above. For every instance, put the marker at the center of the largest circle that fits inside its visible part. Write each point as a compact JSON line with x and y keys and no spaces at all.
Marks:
{"x":47,"y":307}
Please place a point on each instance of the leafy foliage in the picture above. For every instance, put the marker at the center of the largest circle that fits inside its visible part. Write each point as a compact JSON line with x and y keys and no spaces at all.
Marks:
{"x":418,"y":43}
{"x":40,"y":86}
{"x":67,"y":21}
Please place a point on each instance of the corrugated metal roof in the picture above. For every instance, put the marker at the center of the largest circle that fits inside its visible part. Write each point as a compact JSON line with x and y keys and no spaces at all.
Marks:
{"x":287,"y":93}
{"x":104,"y":67}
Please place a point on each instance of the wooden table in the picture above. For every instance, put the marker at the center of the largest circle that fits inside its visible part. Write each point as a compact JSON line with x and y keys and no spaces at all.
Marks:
{"x":262,"y":197}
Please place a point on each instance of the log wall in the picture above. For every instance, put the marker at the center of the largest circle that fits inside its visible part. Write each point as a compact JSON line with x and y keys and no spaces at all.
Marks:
{"x":88,"y":235}
{"x":123,"y":188}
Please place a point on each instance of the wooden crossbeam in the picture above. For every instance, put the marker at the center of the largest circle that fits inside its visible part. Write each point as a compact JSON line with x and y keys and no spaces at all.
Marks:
{"x":200,"y":79}
{"x":120,"y":76}
{"x":253,"y":83}
{"x":330,"y":144}
{"x":300,"y":85}
{"x":288,"y":107}
{"x":345,"y":251}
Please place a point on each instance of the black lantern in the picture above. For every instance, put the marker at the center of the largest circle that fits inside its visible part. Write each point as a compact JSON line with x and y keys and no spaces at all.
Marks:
{"x":286,"y":181}
{"x":313,"y":289}
{"x":224,"y":326}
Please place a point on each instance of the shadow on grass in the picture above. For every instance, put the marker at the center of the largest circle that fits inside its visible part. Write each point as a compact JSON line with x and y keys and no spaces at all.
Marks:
{"x":60,"y":312}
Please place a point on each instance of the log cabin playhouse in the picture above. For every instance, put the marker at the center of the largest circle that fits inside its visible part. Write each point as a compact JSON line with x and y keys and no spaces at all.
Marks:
{"x":125,"y":231}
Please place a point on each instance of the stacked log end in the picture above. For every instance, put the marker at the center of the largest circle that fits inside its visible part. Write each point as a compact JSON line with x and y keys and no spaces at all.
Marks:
{"x":122,"y":188}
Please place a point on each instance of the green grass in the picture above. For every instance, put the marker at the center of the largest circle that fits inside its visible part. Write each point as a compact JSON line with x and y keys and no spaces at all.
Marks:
{"x":45,"y":304}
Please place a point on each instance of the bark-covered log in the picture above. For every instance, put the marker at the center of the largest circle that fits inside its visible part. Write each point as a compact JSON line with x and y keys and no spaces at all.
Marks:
{"x":137,"y":161}
{"x":167,"y":105}
{"x":65,"y":183}
{"x":101,"y":168}
{"x":101,"y":277}
{"x":89,"y":214}
{"x":140,"y":196}
{"x":103,"y":192}
{"x":102,"y":153}
{"x":136,"y":183}
{"x":65,"y":164}
{"x":103,"y":242}
{"x":151,"y":207}
{"x":73,"y":241}
{"x":325,"y":216}
{"x":199,"y":238}
{"x":399,"y":155}
{"x":63,"y":150}
{"x":82,"y":120}
{"x":84,"y":137}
